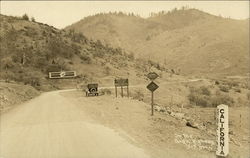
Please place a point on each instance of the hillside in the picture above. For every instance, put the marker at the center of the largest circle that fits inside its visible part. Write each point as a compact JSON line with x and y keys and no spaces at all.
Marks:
{"x":13,"y":94}
{"x":187,"y":39}
{"x":29,"y":50}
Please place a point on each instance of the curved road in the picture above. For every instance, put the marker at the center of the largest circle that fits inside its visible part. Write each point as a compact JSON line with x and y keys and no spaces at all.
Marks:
{"x":51,"y":126}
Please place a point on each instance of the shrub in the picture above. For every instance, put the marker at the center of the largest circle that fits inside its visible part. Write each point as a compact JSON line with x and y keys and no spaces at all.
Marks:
{"x":237,"y":90}
{"x":205,"y":90}
{"x":107,"y":70}
{"x":53,"y":68}
{"x":32,"y":80}
{"x":33,"y":19}
{"x":86,"y":59}
{"x":199,"y":100}
{"x":98,"y":53}
{"x":248,"y":95}
{"x":202,"y":90}
{"x":25,"y":17}
{"x":105,"y":91}
{"x":222,"y":99}
{"x":7,"y":63}
{"x":138,"y":95}
{"x":233,"y":83}
{"x":131,"y":56}
{"x":203,"y":97}
{"x":70,"y":62}
{"x":224,"y":88}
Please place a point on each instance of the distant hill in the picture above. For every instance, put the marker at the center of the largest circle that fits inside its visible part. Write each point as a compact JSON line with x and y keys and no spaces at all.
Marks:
{"x":187,"y":39}
{"x":29,"y":50}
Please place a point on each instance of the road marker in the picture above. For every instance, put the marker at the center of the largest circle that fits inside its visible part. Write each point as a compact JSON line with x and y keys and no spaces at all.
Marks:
{"x":222,"y":131}
{"x":152,"y":87}
{"x":152,"y":76}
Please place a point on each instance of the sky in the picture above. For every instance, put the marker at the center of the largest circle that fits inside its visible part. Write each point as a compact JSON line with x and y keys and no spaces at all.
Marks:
{"x":63,"y":13}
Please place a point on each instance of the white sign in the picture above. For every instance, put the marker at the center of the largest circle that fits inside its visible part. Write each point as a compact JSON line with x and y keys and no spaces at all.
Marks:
{"x":62,"y":74}
{"x":222,"y":131}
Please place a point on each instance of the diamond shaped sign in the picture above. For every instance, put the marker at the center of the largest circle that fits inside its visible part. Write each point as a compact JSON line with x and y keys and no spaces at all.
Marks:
{"x":152,"y":86}
{"x":152,"y":75}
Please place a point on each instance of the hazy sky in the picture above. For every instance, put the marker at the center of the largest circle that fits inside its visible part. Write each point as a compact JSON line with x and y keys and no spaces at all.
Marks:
{"x":63,"y":13}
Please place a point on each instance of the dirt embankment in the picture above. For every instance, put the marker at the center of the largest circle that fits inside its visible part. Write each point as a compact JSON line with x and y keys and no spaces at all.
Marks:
{"x":157,"y":135}
{"x":12,"y":93}
{"x":162,"y":135}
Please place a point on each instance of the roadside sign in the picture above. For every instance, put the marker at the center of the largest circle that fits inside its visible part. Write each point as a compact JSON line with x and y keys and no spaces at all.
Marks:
{"x":121,"y":82}
{"x":62,"y":74}
{"x":222,"y":131}
{"x":152,"y":86}
{"x":152,"y":75}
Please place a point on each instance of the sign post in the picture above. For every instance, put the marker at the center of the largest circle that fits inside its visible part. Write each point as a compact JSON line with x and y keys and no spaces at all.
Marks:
{"x":222,"y":131}
{"x":122,"y":91}
{"x":152,"y":87}
{"x":152,"y":103}
{"x":115,"y":91}
{"x":127,"y":91}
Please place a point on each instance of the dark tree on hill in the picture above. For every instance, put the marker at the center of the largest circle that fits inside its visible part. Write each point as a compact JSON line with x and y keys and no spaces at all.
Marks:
{"x":25,"y":17}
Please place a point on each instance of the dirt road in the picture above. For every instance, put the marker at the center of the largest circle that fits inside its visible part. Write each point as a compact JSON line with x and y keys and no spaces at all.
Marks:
{"x":51,"y":126}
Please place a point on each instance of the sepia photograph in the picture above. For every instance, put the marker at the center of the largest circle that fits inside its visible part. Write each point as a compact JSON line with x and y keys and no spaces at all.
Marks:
{"x":124,"y":79}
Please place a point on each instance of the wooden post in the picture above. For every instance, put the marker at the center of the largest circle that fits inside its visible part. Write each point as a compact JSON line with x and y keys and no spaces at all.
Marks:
{"x":152,"y":103}
{"x":127,"y":91}
{"x":116,"y":91}
{"x":240,"y":120}
{"x":122,"y":91}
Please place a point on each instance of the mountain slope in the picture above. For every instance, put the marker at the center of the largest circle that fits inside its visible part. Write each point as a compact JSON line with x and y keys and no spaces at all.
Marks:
{"x":29,"y":50}
{"x":190,"y":40}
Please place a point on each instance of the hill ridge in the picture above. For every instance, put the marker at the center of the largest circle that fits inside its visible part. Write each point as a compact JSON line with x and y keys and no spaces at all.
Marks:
{"x":215,"y":43}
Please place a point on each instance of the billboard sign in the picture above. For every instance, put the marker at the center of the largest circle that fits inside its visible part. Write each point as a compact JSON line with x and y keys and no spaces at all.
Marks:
{"x":62,"y":74}
{"x":121,"y":82}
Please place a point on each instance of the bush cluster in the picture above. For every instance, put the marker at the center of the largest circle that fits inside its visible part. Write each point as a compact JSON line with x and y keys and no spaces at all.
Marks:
{"x":138,"y":95}
{"x":105,"y":91}
{"x":203,"y":97}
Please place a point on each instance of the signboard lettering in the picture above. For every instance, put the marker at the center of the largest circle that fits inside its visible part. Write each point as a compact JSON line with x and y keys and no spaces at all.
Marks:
{"x":222,"y":131}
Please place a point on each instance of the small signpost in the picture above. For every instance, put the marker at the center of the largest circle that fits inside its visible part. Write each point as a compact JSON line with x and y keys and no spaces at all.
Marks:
{"x":62,"y":74}
{"x":222,"y":131}
{"x":152,"y":87}
{"x":121,"y":83}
